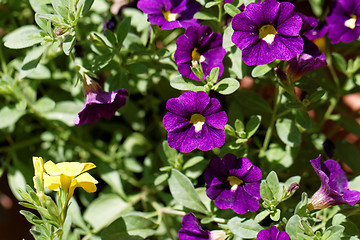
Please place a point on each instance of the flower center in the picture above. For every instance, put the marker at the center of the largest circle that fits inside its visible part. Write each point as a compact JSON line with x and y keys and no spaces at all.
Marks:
{"x":198,"y":121}
{"x":197,"y":58}
{"x":234,"y":182}
{"x":350,"y":23}
{"x":267,"y":33}
{"x":170,"y":16}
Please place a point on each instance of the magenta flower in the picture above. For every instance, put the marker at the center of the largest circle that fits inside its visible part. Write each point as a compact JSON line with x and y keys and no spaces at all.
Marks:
{"x":233,"y":183}
{"x":268,"y":31}
{"x":334,"y":186}
{"x":199,"y":46}
{"x":170,"y":14}
{"x":344,"y":21}
{"x":272,"y":234}
{"x":98,"y":103}
{"x":194,"y":121}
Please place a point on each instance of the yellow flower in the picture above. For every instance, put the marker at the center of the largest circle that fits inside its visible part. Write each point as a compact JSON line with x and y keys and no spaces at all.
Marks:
{"x":68,"y":176}
{"x":39,"y":169}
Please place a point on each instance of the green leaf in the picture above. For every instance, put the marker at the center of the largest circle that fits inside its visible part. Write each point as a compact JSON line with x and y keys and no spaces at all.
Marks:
{"x":252,"y":125}
{"x":16,"y":180}
{"x":44,"y":104}
{"x":288,"y":132}
{"x":261,"y":216}
{"x":185,"y":84}
{"x":61,"y":7}
{"x":303,"y":119}
{"x":274,"y":185}
{"x":183,"y":192}
{"x":31,"y":61}
{"x":23,"y":37}
{"x":9,"y":116}
{"x":317,"y":6}
{"x":193,"y":161}
{"x":244,"y":229}
{"x":252,"y":102}
{"x":333,"y":233}
{"x":69,"y":43}
{"x":339,"y":62}
{"x":84,"y":6}
{"x":260,"y":70}
{"x":118,"y":230}
{"x":214,"y":75}
{"x":212,"y":3}
{"x":228,"y":32}
{"x":161,"y":178}
{"x":65,"y":112}
{"x":275,"y":216}
{"x":30,"y":217}
{"x":349,"y":154}
{"x":122,"y":30}
{"x":168,"y":154}
{"x":236,"y":62}
{"x":40,"y":6}
{"x":226,"y":86}
{"x":231,"y":9}
{"x":317,"y":95}
{"x":293,"y":228}
{"x":265,"y":191}
{"x":104,"y":210}
{"x":205,"y":16}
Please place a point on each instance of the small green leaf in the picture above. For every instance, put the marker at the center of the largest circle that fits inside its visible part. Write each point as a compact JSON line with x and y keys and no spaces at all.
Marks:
{"x":260,"y":70}
{"x":69,"y":43}
{"x":44,"y":104}
{"x":193,"y":161}
{"x":339,"y":62}
{"x":31,"y":61}
{"x":185,"y":84}
{"x":23,"y":37}
{"x":61,"y":7}
{"x":244,"y":229}
{"x":288,"y":132}
{"x":261,"y":216}
{"x":122,"y":30}
{"x":9,"y":116}
{"x":303,"y":119}
{"x":252,"y":125}
{"x":228,"y":32}
{"x":213,"y":3}
{"x":205,"y":16}
{"x":84,"y":6}
{"x":231,"y":9}
{"x":333,"y":233}
{"x":274,"y":185}
{"x":275,"y":216}
{"x":265,"y":191}
{"x":214,"y":75}
{"x":184,"y":192}
{"x":160,"y":179}
{"x":226,"y":86}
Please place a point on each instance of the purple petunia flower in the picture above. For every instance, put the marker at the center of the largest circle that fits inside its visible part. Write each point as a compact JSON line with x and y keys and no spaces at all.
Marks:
{"x":194,"y":121}
{"x":191,"y":230}
{"x":199,"y":45}
{"x":98,"y":103}
{"x":318,"y":32}
{"x":306,"y":61}
{"x":272,"y":234}
{"x":170,"y":14}
{"x":334,"y":186}
{"x":268,"y":31}
{"x":344,"y":21}
{"x":233,"y":183}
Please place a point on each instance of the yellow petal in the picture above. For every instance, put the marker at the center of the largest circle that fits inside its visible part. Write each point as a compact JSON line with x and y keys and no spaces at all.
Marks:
{"x":65,"y":182}
{"x":71,"y":169}
{"x":38,"y":164}
{"x":52,"y":182}
{"x":88,"y":166}
{"x":85,"y":181}
{"x":51,"y":168}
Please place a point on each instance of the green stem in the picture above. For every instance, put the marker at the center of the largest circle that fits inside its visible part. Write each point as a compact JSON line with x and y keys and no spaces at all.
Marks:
{"x":272,"y":121}
{"x":3,"y":62}
{"x":220,"y":16}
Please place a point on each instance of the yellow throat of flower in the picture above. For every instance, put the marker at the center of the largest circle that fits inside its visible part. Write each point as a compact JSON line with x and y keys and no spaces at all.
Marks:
{"x":267,"y":33}
{"x":198,"y":121}
{"x":234,"y":182}
{"x":197,"y":58}
{"x":351,"y":22}
{"x":170,"y":16}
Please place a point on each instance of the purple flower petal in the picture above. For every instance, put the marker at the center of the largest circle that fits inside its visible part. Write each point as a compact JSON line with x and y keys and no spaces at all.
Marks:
{"x":191,"y":229}
{"x":272,"y":234}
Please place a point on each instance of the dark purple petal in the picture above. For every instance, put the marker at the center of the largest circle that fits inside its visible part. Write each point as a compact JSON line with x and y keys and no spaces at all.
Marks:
{"x":191,"y":229}
{"x":216,"y":120}
{"x":272,"y":234}
{"x":173,"y":122}
{"x":101,"y":104}
{"x":270,"y":9}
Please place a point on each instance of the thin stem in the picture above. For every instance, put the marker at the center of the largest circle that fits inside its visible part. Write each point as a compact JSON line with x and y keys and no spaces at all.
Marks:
{"x":272,"y":121}
{"x":220,"y":16}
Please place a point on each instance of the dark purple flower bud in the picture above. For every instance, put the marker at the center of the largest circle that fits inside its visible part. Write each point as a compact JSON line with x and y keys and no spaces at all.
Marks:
{"x":191,"y":229}
{"x":310,"y":59}
{"x":98,"y":103}
{"x":267,"y":31}
{"x":344,"y":21}
{"x":281,"y":75}
{"x":170,"y":14}
{"x":334,"y":186}
{"x":272,"y":234}
{"x":199,"y":46}
{"x":110,"y":24}
{"x":329,"y":148}
{"x":194,"y":121}
{"x":233,"y":183}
